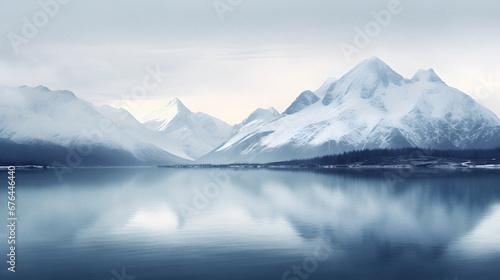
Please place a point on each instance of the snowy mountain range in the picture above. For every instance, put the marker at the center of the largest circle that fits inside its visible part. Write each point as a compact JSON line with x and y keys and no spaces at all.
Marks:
{"x":371,"y":106}
{"x":187,"y":134}
{"x":40,"y":126}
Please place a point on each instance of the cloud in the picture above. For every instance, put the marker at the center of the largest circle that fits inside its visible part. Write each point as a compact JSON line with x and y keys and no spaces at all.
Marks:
{"x":262,"y":54}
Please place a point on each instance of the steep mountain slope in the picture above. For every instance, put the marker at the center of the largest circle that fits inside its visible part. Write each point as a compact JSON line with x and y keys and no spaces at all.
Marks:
{"x":371,"y":106}
{"x":305,"y":99}
{"x":261,"y":115}
{"x":66,"y":131}
{"x":255,"y":119}
{"x":321,"y":91}
{"x":196,"y":134}
{"x":125,"y":121}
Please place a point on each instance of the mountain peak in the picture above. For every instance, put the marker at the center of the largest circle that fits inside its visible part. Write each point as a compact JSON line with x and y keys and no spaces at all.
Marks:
{"x":426,"y":76}
{"x":369,"y":78}
{"x":374,"y":64}
{"x":167,"y":113}
{"x":373,"y":69}
{"x":261,"y":114}
{"x":177,"y":103}
{"x":375,"y":59}
{"x":42,"y":88}
{"x":273,"y":111}
{"x":305,"y":99}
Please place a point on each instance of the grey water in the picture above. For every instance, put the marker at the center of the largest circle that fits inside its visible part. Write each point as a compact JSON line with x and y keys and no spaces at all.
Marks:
{"x":165,"y":223}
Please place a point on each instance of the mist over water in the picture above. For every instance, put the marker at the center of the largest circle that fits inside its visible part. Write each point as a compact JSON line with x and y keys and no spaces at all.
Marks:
{"x":159,"y":223}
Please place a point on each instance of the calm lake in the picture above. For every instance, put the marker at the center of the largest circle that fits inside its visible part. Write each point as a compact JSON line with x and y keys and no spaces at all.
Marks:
{"x":163,"y":223}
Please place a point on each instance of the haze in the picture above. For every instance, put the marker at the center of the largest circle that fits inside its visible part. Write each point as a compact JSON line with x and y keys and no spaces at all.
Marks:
{"x":228,"y":57}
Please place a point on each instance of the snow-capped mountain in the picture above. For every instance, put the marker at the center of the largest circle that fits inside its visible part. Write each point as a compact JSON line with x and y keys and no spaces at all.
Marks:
{"x":40,"y":126}
{"x":261,"y":115}
{"x":193,"y":134}
{"x":125,"y":121}
{"x":321,"y":91}
{"x":371,"y":106}
{"x":305,"y":99}
{"x":256,"y":118}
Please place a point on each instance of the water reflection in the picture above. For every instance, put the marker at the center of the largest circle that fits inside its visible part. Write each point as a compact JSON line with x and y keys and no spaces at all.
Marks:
{"x":255,"y":224}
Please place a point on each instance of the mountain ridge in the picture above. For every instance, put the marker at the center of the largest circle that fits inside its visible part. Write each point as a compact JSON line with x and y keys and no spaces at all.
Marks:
{"x":369,"y":107}
{"x":36,"y":120}
{"x":194,"y":134}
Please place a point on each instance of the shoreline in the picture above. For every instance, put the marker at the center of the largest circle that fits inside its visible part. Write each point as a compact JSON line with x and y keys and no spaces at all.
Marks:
{"x":279,"y":166}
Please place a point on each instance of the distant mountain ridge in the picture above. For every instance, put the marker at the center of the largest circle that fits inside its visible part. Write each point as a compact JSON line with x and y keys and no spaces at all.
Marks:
{"x":40,"y":126}
{"x":370,"y":107}
{"x":196,"y":134}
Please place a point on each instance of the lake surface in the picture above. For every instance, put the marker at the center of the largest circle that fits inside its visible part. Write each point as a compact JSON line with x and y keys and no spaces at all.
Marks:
{"x":159,"y":223}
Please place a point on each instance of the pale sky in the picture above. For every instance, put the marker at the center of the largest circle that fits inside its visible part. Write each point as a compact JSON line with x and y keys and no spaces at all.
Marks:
{"x":228,"y":57}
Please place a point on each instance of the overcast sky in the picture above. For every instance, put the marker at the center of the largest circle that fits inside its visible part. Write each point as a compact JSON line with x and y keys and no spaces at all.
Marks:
{"x":228,"y":57}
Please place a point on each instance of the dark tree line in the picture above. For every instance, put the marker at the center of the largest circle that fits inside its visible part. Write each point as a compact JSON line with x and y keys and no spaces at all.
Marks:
{"x":376,"y":155}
